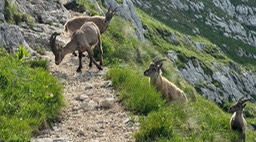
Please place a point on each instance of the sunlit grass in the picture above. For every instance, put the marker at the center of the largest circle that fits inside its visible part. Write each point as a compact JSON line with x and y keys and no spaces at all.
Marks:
{"x":28,"y":97}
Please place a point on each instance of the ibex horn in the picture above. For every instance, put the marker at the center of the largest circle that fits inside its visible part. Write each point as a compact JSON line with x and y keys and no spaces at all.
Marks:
{"x":52,"y":41}
{"x":159,"y":61}
{"x":115,"y":9}
{"x":243,"y":101}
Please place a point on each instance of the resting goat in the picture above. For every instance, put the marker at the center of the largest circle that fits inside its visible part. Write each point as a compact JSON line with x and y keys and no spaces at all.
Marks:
{"x":170,"y":91}
{"x":83,"y":39}
{"x":237,"y":120}
{"x":101,"y":21}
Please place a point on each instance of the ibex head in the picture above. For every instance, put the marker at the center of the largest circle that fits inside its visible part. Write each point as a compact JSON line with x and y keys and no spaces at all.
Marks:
{"x":239,"y":105}
{"x":109,"y":15}
{"x":55,"y":50}
{"x":154,"y":67}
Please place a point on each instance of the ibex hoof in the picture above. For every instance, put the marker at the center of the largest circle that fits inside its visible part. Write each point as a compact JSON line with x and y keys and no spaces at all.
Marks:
{"x":100,"y":68}
{"x":78,"y":70}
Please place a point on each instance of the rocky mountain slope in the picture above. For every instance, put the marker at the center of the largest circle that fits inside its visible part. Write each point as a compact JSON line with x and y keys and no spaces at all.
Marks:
{"x":230,"y":22}
{"x":230,"y":25}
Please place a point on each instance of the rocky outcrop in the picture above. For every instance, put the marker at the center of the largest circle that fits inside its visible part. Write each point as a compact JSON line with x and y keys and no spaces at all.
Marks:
{"x":127,"y":11}
{"x":234,"y":21}
{"x":2,"y":11}
{"x":11,"y":37}
{"x":45,"y":16}
{"x":243,"y":15}
{"x":220,"y":82}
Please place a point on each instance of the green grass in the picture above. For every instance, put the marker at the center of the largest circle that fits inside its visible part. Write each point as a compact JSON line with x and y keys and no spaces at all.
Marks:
{"x":200,"y":120}
{"x":28,"y":98}
{"x":135,"y":92}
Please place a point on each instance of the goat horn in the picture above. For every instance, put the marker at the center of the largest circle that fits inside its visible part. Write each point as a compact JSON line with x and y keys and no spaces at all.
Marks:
{"x":159,"y":61}
{"x":239,"y":100}
{"x":115,"y":9}
{"x":243,"y":101}
{"x":52,"y":41}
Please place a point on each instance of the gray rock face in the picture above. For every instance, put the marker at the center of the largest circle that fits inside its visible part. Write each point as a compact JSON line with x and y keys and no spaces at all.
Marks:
{"x":233,"y":24}
{"x":244,"y":15}
{"x":127,"y":11}
{"x":2,"y":11}
{"x":226,"y":6}
{"x":227,"y":83}
{"x":47,"y":12}
{"x":49,"y":16}
{"x":11,"y":37}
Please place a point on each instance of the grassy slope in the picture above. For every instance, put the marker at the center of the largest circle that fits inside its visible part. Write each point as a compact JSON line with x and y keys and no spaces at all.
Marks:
{"x":198,"y":121}
{"x":28,"y":98}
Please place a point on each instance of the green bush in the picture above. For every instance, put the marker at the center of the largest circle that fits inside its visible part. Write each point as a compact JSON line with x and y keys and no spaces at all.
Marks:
{"x":28,"y":97}
{"x":135,"y":90}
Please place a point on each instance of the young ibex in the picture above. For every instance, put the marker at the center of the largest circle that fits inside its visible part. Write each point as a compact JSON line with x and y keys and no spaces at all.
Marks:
{"x":83,"y":39}
{"x":101,"y":21}
{"x":170,"y":91}
{"x":237,"y":121}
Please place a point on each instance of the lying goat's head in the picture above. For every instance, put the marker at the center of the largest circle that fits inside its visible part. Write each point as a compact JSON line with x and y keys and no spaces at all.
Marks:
{"x":239,"y":105}
{"x":154,"y":67}
{"x":55,"y":50}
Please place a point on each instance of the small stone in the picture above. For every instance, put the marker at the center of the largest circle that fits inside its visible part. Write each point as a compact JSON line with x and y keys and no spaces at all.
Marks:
{"x":107,"y":84}
{"x":80,"y":133}
{"x":75,"y":108}
{"x":60,"y":140}
{"x":126,"y":121}
{"x":81,"y":97}
{"x":107,"y":103}
{"x":91,"y":105}
{"x":88,"y":86}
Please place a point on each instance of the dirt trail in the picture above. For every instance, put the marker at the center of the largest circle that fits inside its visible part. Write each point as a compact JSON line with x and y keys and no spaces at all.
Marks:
{"x":92,"y":112}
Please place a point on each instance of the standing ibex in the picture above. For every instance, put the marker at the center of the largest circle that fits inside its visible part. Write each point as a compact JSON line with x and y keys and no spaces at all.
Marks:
{"x":83,"y":39}
{"x":237,"y":121}
{"x":170,"y":91}
{"x":101,"y":21}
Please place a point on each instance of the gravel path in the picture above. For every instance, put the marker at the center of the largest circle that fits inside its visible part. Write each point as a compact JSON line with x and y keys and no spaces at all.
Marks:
{"x":92,"y":112}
